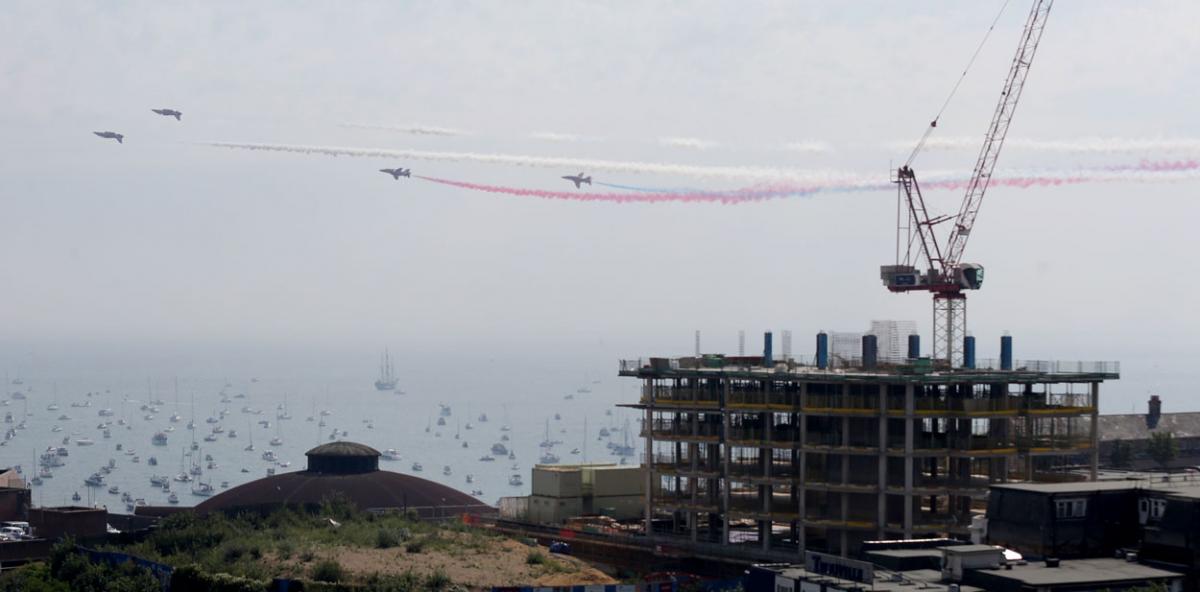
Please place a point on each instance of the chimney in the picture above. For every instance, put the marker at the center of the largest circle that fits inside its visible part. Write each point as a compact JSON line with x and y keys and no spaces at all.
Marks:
{"x":1154,"y":413}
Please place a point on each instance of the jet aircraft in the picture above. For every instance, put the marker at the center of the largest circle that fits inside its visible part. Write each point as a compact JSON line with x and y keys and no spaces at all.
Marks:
{"x":169,"y":113}
{"x":578,"y":179}
{"x":113,"y":135}
{"x":397,"y":173}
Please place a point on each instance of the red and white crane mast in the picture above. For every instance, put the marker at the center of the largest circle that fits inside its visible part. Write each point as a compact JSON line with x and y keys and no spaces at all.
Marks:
{"x":946,"y":275}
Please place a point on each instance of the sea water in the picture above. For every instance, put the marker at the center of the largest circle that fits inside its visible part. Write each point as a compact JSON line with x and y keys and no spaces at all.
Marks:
{"x":519,"y":392}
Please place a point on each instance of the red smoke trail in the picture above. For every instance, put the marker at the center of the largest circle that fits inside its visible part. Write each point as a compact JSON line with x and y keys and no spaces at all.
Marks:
{"x":736,"y":196}
{"x":782,"y":190}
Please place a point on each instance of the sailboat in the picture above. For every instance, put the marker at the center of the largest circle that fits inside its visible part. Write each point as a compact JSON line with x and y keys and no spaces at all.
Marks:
{"x":387,"y":374}
{"x":548,"y":457}
{"x":175,"y":415}
{"x":183,"y":476}
{"x":250,"y":430}
{"x":625,"y":449}
{"x":282,"y":410}
{"x":278,"y":439}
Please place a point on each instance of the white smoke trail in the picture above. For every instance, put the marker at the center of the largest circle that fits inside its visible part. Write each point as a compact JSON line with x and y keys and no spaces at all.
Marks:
{"x":693,"y":143}
{"x":415,"y":129}
{"x":808,"y":147}
{"x":1142,"y":172}
{"x":1077,"y":146}
{"x":572,"y":164}
{"x":558,"y":137}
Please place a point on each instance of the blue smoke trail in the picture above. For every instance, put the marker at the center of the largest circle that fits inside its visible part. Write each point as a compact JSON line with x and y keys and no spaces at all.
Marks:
{"x":650,"y":189}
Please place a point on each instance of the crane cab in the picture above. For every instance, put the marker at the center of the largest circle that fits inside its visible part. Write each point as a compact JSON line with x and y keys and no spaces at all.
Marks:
{"x":906,"y":278}
{"x":969,"y":276}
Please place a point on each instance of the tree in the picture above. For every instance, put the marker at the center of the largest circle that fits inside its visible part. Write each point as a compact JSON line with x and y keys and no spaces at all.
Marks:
{"x":1122,"y":453}
{"x":1163,"y":448}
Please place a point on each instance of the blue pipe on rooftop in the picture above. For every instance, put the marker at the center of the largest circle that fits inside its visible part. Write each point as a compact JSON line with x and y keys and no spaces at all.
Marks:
{"x":822,"y":350}
{"x":1006,"y":352}
{"x":768,"y":361}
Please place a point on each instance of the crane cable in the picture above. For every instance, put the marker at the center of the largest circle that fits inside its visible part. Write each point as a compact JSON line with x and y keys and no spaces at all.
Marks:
{"x":933,"y":124}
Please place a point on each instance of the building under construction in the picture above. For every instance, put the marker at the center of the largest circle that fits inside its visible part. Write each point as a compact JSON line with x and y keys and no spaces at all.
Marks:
{"x":770,"y":457}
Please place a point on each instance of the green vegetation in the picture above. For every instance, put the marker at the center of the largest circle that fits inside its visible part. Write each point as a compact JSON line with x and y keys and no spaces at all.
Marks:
{"x":243,"y":552}
{"x":328,"y":570}
{"x":437,"y":581}
{"x":1163,"y":448}
{"x":68,"y":571}
{"x":391,"y":537}
{"x":535,"y":558}
{"x":253,"y":545}
{"x":1122,"y":453}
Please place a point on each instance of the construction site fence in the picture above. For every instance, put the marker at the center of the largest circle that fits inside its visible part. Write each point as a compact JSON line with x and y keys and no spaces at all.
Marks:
{"x":673,"y":584}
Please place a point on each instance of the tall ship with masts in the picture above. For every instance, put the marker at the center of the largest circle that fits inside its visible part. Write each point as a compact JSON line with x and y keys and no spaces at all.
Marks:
{"x":387,"y":374}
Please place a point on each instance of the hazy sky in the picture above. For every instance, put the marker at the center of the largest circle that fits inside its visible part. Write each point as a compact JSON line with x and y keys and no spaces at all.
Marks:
{"x":166,"y":244}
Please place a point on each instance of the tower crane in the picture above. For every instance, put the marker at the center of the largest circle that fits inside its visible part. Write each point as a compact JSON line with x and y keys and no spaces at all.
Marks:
{"x":917,"y":242}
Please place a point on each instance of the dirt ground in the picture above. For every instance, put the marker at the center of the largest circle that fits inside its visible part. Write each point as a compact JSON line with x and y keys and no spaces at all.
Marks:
{"x":474,"y":564}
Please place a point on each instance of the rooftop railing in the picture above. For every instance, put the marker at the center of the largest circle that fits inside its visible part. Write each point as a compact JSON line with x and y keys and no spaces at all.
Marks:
{"x":884,"y":366}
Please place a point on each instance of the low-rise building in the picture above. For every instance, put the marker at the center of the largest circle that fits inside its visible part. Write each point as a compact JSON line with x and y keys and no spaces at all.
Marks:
{"x":961,"y":568}
{"x":1133,"y":433}
{"x":10,"y":478}
{"x":1080,"y":519}
{"x":84,"y":524}
{"x":1153,"y":517}
{"x":561,"y":492}
{"x":14,"y":503}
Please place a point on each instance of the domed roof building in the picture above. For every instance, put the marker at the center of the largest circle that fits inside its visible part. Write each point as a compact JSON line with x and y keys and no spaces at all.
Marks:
{"x":351,"y":471}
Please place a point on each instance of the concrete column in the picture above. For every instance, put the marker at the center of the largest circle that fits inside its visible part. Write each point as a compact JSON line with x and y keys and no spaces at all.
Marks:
{"x":883,"y":436}
{"x":1094,"y":436}
{"x":764,"y":451}
{"x":909,"y":407}
{"x":727,"y":453}
{"x":801,"y":479}
{"x":845,"y":515}
{"x":648,"y":470}
{"x":764,"y":456}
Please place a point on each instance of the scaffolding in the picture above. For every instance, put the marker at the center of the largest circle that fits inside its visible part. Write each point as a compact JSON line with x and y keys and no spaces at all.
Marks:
{"x":793,"y":457}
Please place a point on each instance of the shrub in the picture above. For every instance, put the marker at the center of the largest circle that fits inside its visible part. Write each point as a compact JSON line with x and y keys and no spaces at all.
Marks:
{"x":308,"y":555}
{"x":191,"y":578}
{"x":405,"y":582}
{"x":328,"y":570}
{"x":34,"y":577}
{"x":535,"y":558}
{"x":436,"y":581}
{"x":233,"y":551}
{"x":285,"y":549}
{"x":415,"y":546}
{"x":1163,"y":448}
{"x":386,"y":538}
